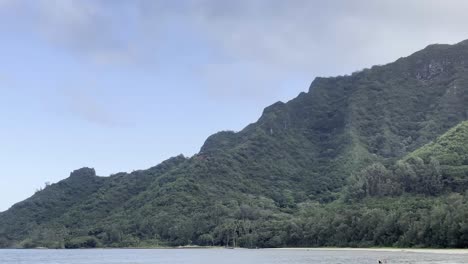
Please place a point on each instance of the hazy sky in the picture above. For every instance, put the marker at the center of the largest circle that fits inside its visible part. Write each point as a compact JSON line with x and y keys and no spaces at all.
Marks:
{"x":123,"y":85}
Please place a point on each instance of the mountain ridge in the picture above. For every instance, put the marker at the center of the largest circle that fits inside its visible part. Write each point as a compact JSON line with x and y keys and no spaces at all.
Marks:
{"x":339,"y":143}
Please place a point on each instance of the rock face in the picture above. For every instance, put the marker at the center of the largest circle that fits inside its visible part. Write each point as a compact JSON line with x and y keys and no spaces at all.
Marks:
{"x":297,"y":155}
{"x":431,"y":70}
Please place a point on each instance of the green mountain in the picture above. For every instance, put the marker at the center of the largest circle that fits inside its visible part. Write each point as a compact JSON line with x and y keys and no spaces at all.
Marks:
{"x":358,"y":160}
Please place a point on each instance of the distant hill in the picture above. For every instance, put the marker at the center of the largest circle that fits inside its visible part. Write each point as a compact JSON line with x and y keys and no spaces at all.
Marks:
{"x":376,"y":158}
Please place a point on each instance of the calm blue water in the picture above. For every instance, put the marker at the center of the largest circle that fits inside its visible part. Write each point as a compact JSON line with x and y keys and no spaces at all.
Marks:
{"x":219,"y":256}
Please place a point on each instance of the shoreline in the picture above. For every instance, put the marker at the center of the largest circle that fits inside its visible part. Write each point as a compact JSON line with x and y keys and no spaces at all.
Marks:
{"x":451,"y":251}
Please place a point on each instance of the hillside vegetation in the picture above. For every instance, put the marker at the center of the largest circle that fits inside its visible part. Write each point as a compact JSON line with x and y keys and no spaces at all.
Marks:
{"x":376,"y":158}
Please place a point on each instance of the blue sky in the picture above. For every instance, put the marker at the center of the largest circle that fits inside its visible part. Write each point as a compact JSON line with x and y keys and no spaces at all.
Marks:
{"x":123,"y":85}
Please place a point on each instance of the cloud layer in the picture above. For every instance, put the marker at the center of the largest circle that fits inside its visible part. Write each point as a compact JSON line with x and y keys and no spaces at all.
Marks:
{"x":261,"y":40}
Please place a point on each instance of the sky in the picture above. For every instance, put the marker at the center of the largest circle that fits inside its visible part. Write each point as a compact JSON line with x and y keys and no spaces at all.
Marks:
{"x":123,"y":85}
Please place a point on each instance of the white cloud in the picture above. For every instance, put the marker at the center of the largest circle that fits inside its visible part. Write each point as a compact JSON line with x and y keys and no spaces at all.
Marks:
{"x":265,"y":41}
{"x":269,"y":37}
{"x":102,"y":31}
{"x":332,"y":36}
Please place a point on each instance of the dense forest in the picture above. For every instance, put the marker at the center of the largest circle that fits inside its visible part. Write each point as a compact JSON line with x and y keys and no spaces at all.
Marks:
{"x":375,"y":158}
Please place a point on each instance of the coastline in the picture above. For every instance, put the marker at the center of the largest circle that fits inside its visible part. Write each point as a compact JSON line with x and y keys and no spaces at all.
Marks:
{"x":451,"y":251}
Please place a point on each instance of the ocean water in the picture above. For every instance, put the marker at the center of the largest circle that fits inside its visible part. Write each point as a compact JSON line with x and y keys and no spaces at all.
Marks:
{"x":221,"y":256}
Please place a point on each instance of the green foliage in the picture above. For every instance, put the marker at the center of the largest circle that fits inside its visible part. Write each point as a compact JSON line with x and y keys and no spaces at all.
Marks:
{"x":82,"y":242}
{"x":356,"y":161}
{"x":450,"y":149}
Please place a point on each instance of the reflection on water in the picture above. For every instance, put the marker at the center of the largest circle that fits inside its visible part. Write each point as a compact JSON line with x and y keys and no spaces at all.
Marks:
{"x":218,"y":256}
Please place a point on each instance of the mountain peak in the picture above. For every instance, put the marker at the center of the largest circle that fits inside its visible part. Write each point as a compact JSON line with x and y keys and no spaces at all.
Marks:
{"x":83,"y":172}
